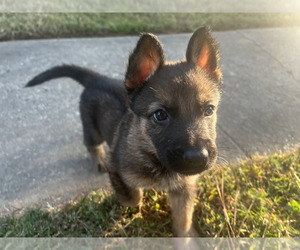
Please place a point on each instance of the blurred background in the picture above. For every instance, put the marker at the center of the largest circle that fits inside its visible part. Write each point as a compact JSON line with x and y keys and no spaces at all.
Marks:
{"x":16,"y":26}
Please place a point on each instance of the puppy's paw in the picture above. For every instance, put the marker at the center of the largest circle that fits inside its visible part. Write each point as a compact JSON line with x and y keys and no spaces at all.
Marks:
{"x":186,"y":243}
{"x":193,"y":232}
{"x":99,"y":157}
{"x":181,"y":233}
{"x":101,"y":168}
{"x":133,"y":199}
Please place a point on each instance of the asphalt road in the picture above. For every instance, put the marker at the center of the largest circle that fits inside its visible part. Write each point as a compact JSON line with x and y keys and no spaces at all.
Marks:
{"x":42,"y":158}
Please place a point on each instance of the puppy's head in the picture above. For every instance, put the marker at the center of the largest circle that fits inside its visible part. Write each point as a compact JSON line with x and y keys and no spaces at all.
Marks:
{"x":177,"y":102}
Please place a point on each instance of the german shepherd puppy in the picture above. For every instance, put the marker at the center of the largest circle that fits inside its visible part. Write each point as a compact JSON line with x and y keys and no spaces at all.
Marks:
{"x":159,"y":123}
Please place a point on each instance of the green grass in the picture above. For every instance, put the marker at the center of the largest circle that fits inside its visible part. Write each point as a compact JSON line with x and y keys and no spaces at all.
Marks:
{"x":14,"y":26}
{"x":259,"y":197}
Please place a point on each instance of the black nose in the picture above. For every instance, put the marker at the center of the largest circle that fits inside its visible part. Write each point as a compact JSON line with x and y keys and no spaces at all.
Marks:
{"x":189,"y":162}
{"x":196,"y":157}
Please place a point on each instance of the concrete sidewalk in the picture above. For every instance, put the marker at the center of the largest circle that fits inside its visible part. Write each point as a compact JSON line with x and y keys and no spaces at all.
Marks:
{"x":42,"y":158}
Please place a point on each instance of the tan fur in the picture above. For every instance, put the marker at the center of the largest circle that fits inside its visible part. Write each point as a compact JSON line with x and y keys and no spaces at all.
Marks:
{"x":98,"y":155}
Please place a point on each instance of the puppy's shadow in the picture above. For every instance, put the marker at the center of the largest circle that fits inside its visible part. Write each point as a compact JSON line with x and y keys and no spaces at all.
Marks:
{"x":81,"y":165}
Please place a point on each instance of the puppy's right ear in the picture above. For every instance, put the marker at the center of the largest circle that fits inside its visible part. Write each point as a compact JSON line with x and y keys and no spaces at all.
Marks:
{"x":147,"y":57}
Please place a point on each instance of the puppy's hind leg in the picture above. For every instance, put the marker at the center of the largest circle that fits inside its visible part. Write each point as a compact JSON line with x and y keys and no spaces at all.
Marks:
{"x":98,"y":155}
{"x":93,"y":139}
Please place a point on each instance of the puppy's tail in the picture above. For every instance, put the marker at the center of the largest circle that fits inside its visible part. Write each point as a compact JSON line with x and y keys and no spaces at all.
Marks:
{"x":81,"y":75}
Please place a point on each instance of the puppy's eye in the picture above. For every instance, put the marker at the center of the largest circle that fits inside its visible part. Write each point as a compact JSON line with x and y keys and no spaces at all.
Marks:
{"x":209,"y":111}
{"x":160,"y":116}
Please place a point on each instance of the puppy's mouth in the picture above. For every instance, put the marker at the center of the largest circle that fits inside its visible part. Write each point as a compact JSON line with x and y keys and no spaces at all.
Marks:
{"x":180,"y":166}
{"x":190,"y":170}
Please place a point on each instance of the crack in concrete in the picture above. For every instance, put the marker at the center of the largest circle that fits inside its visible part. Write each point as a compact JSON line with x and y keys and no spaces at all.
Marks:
{"x":290,"y":72}
{"x":232,"y":140}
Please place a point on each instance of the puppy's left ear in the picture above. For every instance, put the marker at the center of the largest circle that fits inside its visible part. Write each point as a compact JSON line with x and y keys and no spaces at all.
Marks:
{"x":145,"y":60}
{"x":203,"y":51}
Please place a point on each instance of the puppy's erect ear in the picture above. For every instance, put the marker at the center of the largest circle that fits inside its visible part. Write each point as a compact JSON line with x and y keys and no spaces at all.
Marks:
{"x":147,"y":57}
{"x":203,"y":51}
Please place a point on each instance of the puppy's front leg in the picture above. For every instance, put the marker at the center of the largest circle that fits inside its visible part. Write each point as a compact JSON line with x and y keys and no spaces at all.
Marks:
{"x":128,"y":196}
{"x":182,"y":204}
